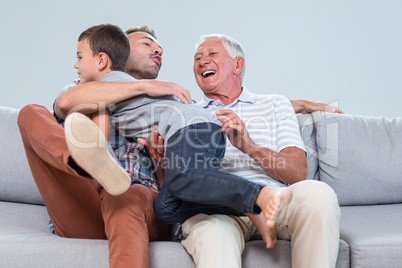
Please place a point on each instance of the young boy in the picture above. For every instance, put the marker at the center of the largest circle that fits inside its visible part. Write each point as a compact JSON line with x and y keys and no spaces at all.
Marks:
{"x":100,"y":50}
{"x":194,"y":147}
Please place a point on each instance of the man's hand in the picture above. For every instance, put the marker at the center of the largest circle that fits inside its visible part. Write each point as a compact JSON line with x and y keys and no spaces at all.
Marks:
{"x":155,"y":149}
{"x":236,"y":130}
{"x":293,"y":166}
{"x":154,"y":145}
{"x":307,"y":107}
{"x":156,"y":88}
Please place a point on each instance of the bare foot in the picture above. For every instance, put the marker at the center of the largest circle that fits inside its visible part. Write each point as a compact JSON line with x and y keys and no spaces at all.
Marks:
{"x":267,"y":234}
{"x":270,"y":200}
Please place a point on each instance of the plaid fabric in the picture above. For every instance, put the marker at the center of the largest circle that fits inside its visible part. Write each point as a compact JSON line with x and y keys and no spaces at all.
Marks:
{"x":132,"y":156}
{"x":134,"y":159}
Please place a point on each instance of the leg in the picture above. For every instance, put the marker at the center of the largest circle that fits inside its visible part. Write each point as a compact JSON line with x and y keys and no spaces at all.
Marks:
{"x":72,"y":202}
{"x":91,"y":151}
{"x":270,"y":200}
{"x":130,"y":224}
{"x":214,"y":241}
{"x":268,"y":234}
{"x":311,"y":222}
{"x":192,"y":177}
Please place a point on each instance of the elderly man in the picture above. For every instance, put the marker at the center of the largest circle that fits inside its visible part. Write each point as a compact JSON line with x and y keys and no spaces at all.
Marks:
{"x":255,"y":128}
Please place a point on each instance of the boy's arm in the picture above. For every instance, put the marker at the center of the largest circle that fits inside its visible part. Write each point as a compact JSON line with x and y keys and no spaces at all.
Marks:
{"x":93,"y":96}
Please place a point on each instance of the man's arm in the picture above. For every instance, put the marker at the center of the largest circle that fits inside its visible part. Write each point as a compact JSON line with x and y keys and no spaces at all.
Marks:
{"x":287,"y":166}
{"x":91,"y":97}
{"x":307,"y":107}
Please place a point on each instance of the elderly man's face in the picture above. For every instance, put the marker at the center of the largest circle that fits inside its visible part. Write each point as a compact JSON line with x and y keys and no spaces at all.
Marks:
{"x":213,"y":66}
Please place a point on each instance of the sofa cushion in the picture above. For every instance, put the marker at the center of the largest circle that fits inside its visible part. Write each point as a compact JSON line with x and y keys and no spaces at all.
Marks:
{"x":359,"y":157}
{"x":374,"y":235}
{"x":16,"y":181}
{"x":279,"y":256}
{"x":307,"y":132}
{"x":24,"y":229}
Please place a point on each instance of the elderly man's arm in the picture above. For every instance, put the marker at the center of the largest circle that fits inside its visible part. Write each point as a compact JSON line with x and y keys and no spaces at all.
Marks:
{"x":287,"y":166}
{"x":94,"y":96}
{"x":307,"y":107}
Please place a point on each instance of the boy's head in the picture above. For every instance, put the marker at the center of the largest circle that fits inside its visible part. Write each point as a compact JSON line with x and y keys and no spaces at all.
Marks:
{"x":100,"y":49}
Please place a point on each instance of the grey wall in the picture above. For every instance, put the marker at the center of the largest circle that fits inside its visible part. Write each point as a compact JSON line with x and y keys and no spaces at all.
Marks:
{"x":346,"y":52}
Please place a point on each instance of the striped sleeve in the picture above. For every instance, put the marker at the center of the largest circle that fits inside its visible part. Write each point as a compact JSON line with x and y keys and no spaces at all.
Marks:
{"x":287,"y":126}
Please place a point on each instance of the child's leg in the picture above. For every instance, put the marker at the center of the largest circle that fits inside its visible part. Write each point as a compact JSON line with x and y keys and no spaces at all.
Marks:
{"x":268,"y":234}
{"x":270,"y":200}
{"x":193,"y":183}
{"x":91,"y":151}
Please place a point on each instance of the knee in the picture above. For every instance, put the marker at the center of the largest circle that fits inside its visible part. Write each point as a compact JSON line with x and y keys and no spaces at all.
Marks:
{"x":317,"y":197}
{"x":27,"y":113}
{"x":164,"y":214}
{"x":137,"y":200}
{"x":175,"y":182}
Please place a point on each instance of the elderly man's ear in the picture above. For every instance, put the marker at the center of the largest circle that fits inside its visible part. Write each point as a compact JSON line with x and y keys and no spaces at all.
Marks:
{"x":239,"y":65}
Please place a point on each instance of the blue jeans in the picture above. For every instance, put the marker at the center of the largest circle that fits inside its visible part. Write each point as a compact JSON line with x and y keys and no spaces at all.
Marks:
{"x":193,"y":184}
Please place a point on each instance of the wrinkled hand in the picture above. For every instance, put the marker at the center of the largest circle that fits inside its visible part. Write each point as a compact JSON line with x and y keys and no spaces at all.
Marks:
{"x":235,"y":130}
{"x":307,"y":107}
{"x":154,"y":147}
{"x":155,"y":88}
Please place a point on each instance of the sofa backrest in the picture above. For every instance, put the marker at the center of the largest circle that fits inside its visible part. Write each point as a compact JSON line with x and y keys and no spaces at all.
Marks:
{"x":360,"y":157}
{"x":16,"y":181}
{"x":307,"y":132}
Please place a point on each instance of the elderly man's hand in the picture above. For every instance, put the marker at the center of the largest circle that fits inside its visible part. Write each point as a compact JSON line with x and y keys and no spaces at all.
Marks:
{"x":236,"y":130}
{"x":307,"y":107}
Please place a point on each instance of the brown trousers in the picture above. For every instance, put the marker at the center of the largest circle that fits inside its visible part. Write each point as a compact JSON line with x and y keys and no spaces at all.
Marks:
{"x":73,"y":203}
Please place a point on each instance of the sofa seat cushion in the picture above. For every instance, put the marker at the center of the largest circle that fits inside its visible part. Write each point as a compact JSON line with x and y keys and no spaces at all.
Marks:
{"x":374,"y":234}
{"x":280,"y":256}
{"x":25,"y":241}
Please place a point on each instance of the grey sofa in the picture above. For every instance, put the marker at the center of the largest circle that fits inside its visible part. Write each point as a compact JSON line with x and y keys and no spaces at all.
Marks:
{"x":359,"y":156}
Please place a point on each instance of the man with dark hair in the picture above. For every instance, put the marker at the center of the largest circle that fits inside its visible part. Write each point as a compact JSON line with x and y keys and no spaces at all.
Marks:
{"x":76,"y":206}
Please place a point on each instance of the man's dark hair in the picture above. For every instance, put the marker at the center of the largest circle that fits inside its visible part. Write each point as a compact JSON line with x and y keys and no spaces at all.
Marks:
{"x":109,"y":39}
{"x":143,"y":28}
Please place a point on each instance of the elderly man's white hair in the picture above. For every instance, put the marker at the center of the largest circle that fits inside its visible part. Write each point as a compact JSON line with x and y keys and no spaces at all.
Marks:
{"x":233,"y":47}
